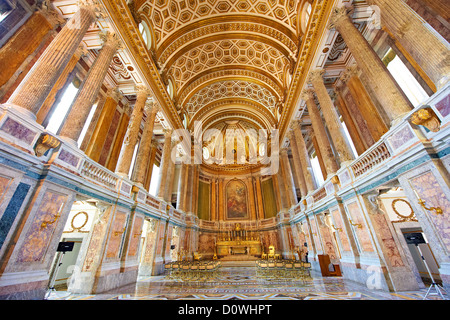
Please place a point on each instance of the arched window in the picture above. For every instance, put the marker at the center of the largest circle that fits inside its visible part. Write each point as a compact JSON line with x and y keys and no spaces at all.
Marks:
{"x":170,"y":88}
{"x":305,"y":15}
{"x":146,"y":34}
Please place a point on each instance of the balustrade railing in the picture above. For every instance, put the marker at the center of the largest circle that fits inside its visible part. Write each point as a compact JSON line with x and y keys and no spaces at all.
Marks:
{"x":99,"y":174}
{"x":370,"y":160}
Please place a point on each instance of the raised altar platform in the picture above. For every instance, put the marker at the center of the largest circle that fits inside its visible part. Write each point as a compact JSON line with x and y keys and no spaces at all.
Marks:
{"x":238,"y":247}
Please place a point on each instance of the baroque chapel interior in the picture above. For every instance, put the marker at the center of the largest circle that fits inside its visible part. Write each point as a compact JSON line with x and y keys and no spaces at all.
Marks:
{"x":291,"y":148}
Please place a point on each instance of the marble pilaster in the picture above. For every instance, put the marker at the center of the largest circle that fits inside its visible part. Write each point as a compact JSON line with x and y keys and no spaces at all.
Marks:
{"x":305,"y":163}
{"x":331,"y":118}
{"x":297,"y":164}
{"x":165,"y":159}
{"x":320,"y":133}
{"x":392,"y":99}
{"x":144,"y":151}
{"x":90,"y":88}
{"x":38,"y":83}
{"x":131,"y":137}
{"x":428,"y":49}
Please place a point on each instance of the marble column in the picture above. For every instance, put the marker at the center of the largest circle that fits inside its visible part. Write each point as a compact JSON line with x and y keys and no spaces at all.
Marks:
{"x":144,"y":151}
{"x":288,"y":178}
{"x":259,"y":198}
{"x":423,"y":43}
{"x":132,"y":134}
{"x":34,"y":88}
{"x":213,"y":215}
{"x":26,"y":40}
{"x":297,"y":164}
{"x":88,"y":92}
{"x":46,"y":110}
{"x":151,"y":162}
{"x":392,"y":99}
{"x":170,"y":174}
{"x":182,"y":187}
{"x":164,"y":166}
{"x":367,"y":109}
{"x":100,"y":132}
{"x":305,"y":163}
{"x":320,"y":133}
{"x":331,"y":118}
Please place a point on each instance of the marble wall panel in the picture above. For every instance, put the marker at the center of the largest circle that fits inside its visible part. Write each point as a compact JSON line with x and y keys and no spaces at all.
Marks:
{"x":135,"y":236}
{"x":429,"y":190}
{"x":339,"y":224}
{"x":391,"y":252}
{"x":109,"y":138}
{"x":117,"y":234}
{"x":41,"y":230}
{"x":362,"y":233}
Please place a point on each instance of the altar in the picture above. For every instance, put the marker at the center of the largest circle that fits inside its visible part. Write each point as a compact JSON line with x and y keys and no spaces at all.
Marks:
{"x":233,"y":247}
{"x":238,"y":242}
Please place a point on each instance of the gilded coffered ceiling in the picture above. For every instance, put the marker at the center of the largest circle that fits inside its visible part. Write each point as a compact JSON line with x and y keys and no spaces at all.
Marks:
{"x":217,"y":54}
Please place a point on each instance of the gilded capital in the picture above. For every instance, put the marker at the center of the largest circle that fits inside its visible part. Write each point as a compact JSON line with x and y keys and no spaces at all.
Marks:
{"x":110,"y":39}
{"x":143,"y":91}
{"x":337,"y":16}
{"x":48,"y":11}
{"x":167,"y":132}
{"x":307,"y":94}
{"x":316,"y":75}
{"x":349,"y":72}
{"x":93,"y":6}
{"x":115,"y":94}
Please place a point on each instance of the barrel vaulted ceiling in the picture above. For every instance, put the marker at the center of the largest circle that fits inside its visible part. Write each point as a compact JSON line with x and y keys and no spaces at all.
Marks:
{"x":236,"y":53}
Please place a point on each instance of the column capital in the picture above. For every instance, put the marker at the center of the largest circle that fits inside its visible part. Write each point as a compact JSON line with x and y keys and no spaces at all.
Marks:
{"x":316,"y":75}
{"x":350,"y":71}
{"x":114,"y":93}
{"x":307,"y":94}
{"x":93,"y":6}
{"x":154,"y":143}
{"x":111,"y":39}
{"x":338,"y":14}
{"x":143,"y":90}
{"x":167,"y":132}
{"x":149,"y":104}
{"x":81,"y":51}
{"x":283,"y":151}
{"x":296,"y":124}
{"x":48,"y":11}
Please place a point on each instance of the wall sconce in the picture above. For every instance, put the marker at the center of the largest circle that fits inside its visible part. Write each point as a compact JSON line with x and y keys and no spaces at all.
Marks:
{"x":437,"y":210}
{"x":358,"y":225}
{"x":137,"y":234}
{"x":116,"y":233}
{"x":45,"y":224}
{"x":337,"y":229}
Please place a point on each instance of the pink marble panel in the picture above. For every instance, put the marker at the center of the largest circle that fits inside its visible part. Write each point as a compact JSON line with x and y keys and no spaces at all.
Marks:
{"x":18,"y":131}
{"x":429,"y":190}
{"x":117,"y":233}
{"x":401,"y":137}
{"x":391,"y":251}
{"x":341,"y":230}
{"x":68,"y":157}
{"x":96,"y":243}
{"x":135,"y":236}
{"x":328,"y":242}
{"x":443,"y":106}
{"x":315,"y":233}
{"x":363,"y":234}
{"x":39,"y":235}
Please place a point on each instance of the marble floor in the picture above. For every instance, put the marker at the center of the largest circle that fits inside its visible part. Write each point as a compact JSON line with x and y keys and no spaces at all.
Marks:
{"x":242,"y":283}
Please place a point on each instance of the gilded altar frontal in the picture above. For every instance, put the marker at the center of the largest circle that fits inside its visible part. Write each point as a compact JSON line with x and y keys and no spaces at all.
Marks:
{"x":224,"y":150}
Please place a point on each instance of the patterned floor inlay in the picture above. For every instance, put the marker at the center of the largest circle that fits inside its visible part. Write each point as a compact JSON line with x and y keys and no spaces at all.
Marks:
{"x":242,"y":283}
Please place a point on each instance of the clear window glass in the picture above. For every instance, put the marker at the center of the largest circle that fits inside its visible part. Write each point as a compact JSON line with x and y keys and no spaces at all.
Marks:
{"x":60,"y":112}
